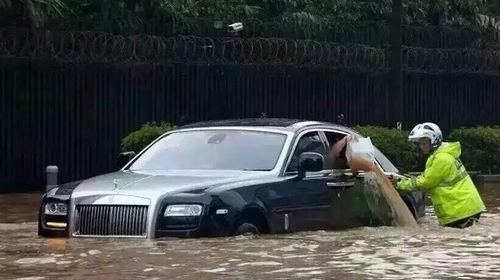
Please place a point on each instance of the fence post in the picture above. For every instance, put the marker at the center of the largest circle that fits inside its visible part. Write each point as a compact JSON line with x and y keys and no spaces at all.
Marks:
{"x":51,"y":171}
{"x":396,"y":59}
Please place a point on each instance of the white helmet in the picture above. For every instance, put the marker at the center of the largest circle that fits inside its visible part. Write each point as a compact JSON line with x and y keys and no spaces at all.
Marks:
{"x":427,"y":130}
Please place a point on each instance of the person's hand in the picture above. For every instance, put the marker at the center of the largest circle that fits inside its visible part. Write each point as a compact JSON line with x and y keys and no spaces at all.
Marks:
{"x":394,"y":181}
{"x":351,"y":137}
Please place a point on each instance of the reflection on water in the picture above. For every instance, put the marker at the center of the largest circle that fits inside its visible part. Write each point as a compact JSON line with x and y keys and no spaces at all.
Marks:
{"x":430,"y":252}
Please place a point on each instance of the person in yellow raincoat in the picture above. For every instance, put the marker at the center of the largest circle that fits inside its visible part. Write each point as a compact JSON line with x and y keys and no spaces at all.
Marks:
{"x":455,"y":198}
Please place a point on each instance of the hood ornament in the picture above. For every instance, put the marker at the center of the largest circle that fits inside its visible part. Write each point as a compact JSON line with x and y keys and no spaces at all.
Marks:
{"x":115,"y":183}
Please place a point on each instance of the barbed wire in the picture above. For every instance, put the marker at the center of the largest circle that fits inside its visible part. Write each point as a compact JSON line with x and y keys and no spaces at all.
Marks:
{"x":93,"y":47}
{"x":464,"y":60}
{"x":129,"y":51}
{"x":373,"y":33}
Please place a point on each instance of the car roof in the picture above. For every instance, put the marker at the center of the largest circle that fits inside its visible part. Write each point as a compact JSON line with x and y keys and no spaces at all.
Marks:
{"x":287,"y":124}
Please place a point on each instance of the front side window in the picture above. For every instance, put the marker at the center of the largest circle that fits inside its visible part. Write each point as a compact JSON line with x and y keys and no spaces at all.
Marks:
{"x":309,"y":142}
{"x":214,"y":150}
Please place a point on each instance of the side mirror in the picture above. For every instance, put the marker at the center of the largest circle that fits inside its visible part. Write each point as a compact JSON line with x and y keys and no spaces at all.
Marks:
{"x":310,"y":161}
{"x":124,"y":158}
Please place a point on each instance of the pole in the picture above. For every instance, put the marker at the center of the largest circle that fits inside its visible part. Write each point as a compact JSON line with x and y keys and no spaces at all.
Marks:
{"x":396,"y":59}
{"x":51,"y":172}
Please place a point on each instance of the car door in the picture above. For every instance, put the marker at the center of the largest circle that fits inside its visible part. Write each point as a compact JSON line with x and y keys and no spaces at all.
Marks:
{"x":301,"y":204}
{"x":351,"y":208}
{"x":362,"y":204}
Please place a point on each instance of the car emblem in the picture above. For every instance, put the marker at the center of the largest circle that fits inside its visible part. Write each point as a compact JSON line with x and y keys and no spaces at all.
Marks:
{"x":115,"y":183}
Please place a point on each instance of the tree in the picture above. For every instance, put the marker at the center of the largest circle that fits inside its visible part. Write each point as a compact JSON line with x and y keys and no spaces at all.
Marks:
{"x":33,"y":12}
{"x":491,"y":8}
{"x":36,"y":13}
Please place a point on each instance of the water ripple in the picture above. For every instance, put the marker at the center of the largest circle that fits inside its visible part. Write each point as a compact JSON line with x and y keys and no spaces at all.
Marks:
{"x":430,"y":252}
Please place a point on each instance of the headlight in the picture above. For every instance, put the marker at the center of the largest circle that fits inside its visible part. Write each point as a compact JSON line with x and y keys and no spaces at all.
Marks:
{"x":60,"y":209}
{"x":184,"y":210}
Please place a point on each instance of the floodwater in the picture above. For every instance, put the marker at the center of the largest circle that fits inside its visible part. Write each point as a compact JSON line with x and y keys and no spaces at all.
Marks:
{"x":430,"y":252}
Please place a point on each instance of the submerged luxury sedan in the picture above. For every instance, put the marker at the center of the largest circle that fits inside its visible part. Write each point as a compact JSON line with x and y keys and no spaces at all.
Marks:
{"x":223,"y":178}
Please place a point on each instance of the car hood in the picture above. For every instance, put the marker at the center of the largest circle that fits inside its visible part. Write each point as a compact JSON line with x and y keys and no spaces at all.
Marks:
{"x":155,"y":184}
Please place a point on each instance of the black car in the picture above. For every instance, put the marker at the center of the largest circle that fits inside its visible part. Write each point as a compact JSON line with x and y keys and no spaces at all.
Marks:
{"x":223,"y":178}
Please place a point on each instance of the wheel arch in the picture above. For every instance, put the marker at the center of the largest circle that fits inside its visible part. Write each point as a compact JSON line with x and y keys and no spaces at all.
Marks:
{"x":253,"y":213}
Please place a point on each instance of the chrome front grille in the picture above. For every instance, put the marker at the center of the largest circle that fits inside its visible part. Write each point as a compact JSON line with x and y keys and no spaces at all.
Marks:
{"x":111,"y":220}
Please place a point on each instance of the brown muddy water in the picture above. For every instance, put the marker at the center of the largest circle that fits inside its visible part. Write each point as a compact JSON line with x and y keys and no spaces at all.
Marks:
{"x":430,"y":252}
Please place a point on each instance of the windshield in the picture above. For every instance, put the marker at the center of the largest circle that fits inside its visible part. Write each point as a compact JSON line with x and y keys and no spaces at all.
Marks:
{"x":212,"y":150}
{"x":384,"y":162}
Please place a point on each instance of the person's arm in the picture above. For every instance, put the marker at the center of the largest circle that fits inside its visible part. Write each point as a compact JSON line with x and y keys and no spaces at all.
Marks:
{"x":340,"y":145}
{"x":432,"y":176}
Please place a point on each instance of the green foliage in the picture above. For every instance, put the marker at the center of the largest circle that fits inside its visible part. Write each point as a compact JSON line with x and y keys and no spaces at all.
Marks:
{"x":320,"y":11}
{"x":480,"y":148}
{"x":394,"y":145}
{"x":36,"y":12}
{"x":491,"y":8}
{"x":480,"y":145}
{"x":302,"y":12}
{"x":216,"y":9}
{"x":139,"y":139}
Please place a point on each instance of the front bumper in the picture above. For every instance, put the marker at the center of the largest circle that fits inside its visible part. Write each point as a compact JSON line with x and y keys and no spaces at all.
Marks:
{"x":99,"y":219}
{"x":216,"y":219}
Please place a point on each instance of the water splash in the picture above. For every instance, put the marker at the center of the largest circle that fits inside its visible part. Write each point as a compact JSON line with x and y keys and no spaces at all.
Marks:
{"x":375,"y":199}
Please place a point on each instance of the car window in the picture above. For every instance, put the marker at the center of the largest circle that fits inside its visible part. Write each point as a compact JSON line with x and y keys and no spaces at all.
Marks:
{"x":309,"y":142}
{"x":214,"y":150}
{"x":341,"y":162}
{"x":384,"y":162}
{"x":334,"y":162}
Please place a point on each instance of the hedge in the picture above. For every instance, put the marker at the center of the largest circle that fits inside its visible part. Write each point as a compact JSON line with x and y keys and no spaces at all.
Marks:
{"x":139,"y":139}
{"x":480,"y":148}
{"x":480,"y":145}
{"x":393,"y":143}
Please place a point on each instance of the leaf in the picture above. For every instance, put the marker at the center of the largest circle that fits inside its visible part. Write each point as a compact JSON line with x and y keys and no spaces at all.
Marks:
{"x":5,"y":4}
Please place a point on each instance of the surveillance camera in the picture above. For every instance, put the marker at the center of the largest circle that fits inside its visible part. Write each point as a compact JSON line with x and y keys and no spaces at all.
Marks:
{"x":235,"y":27}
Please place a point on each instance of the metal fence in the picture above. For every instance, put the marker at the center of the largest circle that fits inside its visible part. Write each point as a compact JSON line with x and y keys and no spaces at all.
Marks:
{"x":65,"y":101}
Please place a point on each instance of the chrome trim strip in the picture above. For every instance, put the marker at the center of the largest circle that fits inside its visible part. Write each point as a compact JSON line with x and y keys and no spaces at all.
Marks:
{"x":111,"y":236}
{"x":112,"y":199}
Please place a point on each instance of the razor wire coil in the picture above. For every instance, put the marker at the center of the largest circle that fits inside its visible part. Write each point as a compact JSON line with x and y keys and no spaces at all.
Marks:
{"x":98,"y":47}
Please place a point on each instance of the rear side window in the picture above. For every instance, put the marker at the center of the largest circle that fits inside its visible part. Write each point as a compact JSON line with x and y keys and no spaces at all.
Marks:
{"x":335,"y":162}
{"x":341,"y":161}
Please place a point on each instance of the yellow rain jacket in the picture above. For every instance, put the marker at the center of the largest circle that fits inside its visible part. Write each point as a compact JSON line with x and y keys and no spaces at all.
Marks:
{"x":448,"y":184}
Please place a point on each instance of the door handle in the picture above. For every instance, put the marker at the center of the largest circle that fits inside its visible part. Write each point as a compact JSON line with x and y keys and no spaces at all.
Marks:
{"x":340,"y":185}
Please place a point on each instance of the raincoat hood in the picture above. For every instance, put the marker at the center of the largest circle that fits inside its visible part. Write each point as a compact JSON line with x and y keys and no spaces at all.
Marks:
{"x":452,"y":148}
